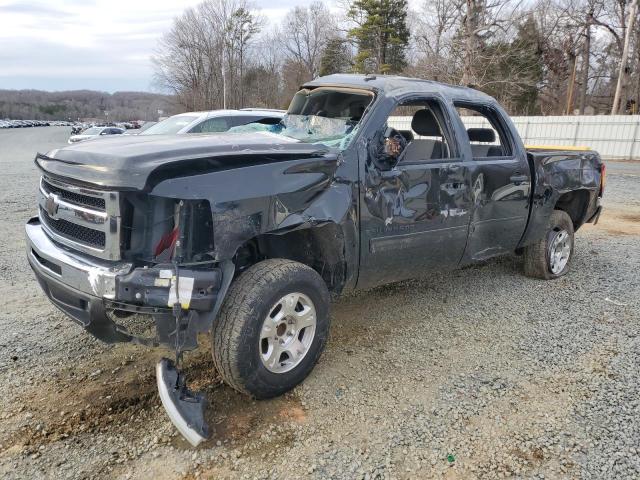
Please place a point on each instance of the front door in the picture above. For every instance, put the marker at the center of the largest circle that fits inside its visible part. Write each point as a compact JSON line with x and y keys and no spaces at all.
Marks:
{"x":415,"y":214}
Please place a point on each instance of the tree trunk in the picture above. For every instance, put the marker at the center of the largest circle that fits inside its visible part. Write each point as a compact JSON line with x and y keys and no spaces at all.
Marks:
{"x":571,"y":84}
{"x":470,"y":49}
{"x":636,"y":92}
{"x":586,"y":54}
{"x":622,"y":72}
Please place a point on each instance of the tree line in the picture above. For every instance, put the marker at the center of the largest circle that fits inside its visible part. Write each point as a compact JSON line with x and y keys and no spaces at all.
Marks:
{"x":540,"y":57}
{"x":82,"y":104}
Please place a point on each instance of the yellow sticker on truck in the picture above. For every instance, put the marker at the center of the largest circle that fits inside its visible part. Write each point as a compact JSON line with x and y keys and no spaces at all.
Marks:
{"x":185,"y":287}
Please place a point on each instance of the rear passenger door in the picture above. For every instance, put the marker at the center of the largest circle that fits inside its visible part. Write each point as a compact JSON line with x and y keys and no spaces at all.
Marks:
{"x":414,"y":215}
{"x":500,"y":181}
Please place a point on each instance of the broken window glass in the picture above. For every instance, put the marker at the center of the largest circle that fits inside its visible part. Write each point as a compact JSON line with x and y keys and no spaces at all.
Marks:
{"x":325,"y":116}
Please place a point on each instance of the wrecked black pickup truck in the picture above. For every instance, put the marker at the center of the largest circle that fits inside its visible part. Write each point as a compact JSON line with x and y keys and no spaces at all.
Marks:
{"x":248,"y":234}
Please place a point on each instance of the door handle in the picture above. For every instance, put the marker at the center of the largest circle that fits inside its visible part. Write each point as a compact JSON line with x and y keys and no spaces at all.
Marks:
{"x":517,"y":179}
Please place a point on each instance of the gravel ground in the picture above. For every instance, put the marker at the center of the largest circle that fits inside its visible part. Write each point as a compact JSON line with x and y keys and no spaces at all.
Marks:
{"x":479,"y":373}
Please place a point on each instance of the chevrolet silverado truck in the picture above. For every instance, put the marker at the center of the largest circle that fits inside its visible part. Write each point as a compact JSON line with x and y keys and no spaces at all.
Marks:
{"x":247,"y":235}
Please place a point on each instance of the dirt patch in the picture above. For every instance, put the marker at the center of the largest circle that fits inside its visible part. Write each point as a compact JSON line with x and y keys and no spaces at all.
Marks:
{"x":617,"y":221}
{"x":78,"y":401}
{"x":118,"y":394}
{"x":235,"y":418}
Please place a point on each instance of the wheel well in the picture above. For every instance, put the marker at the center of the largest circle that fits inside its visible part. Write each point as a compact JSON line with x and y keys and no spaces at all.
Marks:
{"x":320,"y":247}
{"x":575,"y":204}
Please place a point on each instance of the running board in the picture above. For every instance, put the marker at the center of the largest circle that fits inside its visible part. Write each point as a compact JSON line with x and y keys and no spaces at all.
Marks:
{"x":184,"y":407}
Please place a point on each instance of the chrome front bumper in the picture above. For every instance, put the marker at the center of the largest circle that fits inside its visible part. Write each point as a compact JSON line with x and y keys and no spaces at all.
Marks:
{"x":90,"y":276}
{"x":86,"y":289}
{"x":78,"y":286}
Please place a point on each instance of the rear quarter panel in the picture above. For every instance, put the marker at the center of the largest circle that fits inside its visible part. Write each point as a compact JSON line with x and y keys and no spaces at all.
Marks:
{"x":555,"y":173}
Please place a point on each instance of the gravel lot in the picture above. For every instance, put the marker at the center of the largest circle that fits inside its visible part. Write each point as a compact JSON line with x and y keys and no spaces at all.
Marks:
{"x":479,"y":373}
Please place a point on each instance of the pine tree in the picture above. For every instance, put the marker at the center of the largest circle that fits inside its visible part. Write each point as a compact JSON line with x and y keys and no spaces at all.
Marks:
{"x":528,"y":44}
{"x":381,"y":35}
{"x":514,"y":72}
{"x":335,"y":57}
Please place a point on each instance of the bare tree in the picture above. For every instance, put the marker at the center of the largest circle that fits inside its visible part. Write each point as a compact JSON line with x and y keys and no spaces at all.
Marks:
{"x":622,"y":72}
{"x":485,"y":21}
{"x":544,"y":56}
{"x":263,"y":82}
{"x":206,"y":51}
{"x":303,"y":36}
{"x":435,"y":28}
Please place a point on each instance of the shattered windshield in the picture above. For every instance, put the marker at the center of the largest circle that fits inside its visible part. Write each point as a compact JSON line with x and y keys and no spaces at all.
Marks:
{"x":327,"y":116}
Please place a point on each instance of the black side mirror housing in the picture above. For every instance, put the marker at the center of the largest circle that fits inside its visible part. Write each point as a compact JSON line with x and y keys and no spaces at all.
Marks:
{"x":390,"y":150}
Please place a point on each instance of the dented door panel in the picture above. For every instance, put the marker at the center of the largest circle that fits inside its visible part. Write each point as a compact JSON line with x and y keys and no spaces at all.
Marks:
{"x":501,"y":191}
{"x":414,"y":218}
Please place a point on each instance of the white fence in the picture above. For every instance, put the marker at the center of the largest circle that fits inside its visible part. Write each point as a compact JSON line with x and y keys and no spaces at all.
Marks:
{"x":614,"y":137}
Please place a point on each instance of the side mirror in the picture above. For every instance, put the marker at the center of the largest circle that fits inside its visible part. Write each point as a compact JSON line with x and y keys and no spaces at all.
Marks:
{"x":390,"y":151}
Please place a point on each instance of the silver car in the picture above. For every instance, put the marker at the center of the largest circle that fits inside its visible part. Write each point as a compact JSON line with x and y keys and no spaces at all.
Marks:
{"x":95,"y":132}
{"x":214,"y":121}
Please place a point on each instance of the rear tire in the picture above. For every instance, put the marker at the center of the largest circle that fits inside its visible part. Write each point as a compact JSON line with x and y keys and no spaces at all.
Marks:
{"x":551,"y":256}
{"x":272,"y":328}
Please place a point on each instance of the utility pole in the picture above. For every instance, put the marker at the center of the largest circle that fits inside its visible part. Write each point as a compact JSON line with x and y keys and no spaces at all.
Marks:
{"x":586,"y":53}
{"x":622,"y":73}
{"x":224,"y":86}
{"x":572,"y":82}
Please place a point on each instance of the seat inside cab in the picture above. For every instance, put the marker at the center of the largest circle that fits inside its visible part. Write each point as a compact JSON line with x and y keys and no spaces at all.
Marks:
{"x":433,"y":147}
{"x":483,"y":143}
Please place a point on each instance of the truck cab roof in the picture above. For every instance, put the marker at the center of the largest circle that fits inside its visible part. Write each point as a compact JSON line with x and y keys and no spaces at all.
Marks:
{"x":394,"y":85}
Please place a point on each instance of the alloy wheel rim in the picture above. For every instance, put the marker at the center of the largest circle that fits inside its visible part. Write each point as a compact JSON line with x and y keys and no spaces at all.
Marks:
{"x":559,"y":251}
{"x":287,"y":332}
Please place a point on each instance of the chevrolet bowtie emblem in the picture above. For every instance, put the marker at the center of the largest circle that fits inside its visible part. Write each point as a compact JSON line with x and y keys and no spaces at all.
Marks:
{"x":51,"y":205}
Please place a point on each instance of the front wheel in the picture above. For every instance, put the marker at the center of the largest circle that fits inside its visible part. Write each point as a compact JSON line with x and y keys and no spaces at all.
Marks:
{"x":272,"y":328}
{"x":550,"y":257}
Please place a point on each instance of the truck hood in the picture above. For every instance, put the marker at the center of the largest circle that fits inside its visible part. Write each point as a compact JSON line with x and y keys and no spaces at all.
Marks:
{"x":129,"y":162}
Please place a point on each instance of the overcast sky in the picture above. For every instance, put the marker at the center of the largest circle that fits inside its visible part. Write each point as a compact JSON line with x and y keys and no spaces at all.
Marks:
{"x":90,"y":44}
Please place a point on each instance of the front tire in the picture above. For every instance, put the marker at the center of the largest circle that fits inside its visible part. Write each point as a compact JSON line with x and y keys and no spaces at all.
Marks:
{"x":550,"y":257}
{"x":272,"y":328}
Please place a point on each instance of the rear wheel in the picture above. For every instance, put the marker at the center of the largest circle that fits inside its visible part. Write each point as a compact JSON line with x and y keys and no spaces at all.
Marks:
{"x":272,"y":328}
{"x":550,"y":257}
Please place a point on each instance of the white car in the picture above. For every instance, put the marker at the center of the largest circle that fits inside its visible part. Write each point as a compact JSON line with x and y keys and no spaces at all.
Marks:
{"x":214,"y":121}
{"x":95,"y":132}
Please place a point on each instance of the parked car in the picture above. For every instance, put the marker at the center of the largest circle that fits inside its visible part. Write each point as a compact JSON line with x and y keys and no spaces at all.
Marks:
{"x":215,"y":121}
{"x":246,"y":235}
{"x":77,"y":128}
{"x":146,"y":126}
{"x":95,"y":132}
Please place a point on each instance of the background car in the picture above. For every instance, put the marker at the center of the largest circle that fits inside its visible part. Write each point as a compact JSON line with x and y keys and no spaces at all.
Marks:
{"x":213,"y":121}
{"x":95,"y":132}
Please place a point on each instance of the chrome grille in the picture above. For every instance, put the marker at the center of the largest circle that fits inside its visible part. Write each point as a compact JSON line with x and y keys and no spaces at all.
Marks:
{"x":75,"y":232}
{"x":73,"y":197}
{"x":84,"y":219}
